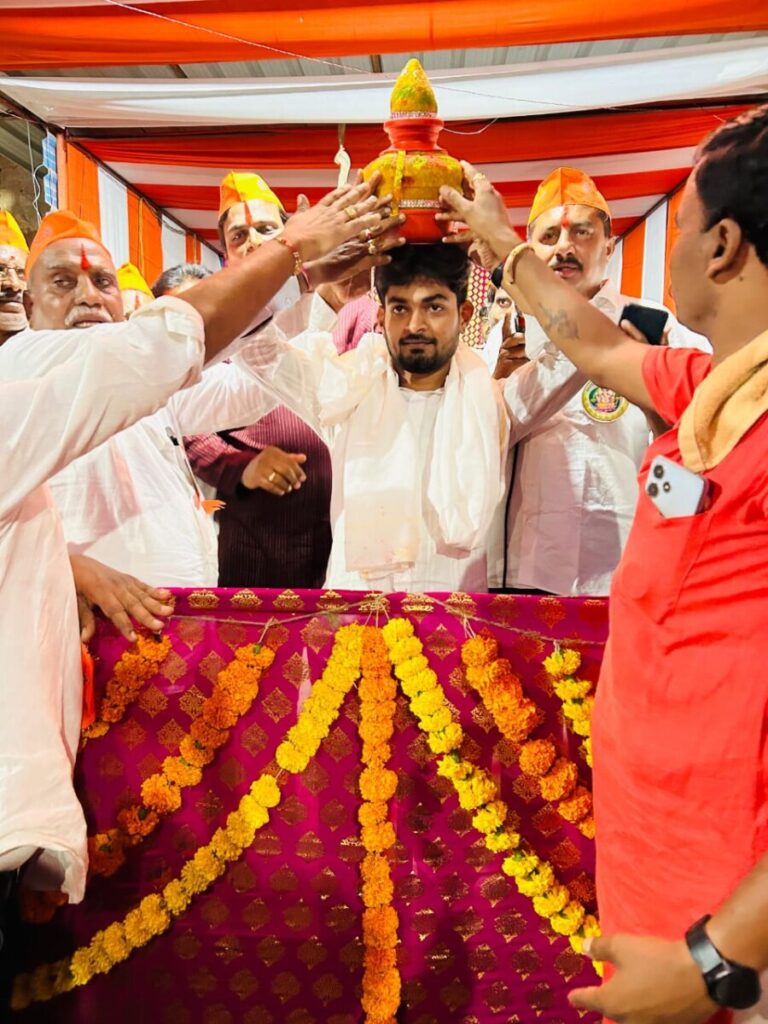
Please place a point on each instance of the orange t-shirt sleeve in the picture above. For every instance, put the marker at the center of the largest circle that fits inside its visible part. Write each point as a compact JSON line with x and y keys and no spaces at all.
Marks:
{"x":671,"y":376}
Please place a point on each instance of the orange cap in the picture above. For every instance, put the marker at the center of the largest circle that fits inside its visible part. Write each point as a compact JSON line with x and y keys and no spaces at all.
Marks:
{"x":240,"y":187}
{"x":129,"y":279}
{"x":57,"y":225}
{"x":567,"y":186}
{"x":10,"y":232}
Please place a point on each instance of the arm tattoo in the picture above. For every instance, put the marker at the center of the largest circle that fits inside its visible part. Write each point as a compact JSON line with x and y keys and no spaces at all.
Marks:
{"x":558,"y":323}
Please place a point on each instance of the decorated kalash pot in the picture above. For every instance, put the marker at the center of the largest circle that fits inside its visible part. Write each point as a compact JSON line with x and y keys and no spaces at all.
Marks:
{"x":414,"y":167}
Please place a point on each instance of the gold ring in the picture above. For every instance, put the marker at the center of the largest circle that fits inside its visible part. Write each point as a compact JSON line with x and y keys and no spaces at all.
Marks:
{"x":272,"y":477}
{"x":351,"y":212}
{"x":372,"y":248}
{"x":368,"y":234}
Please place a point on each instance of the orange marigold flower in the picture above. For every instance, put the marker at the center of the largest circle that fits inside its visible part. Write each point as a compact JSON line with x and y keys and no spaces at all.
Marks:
{"x":377,"y":688}
{"x":537,"y":757}
{"x":374,"y":732}
{"x":377,"y":838}
{"x":377,"y":892}
{"x":207,"y":736}
{"x":372,"y":813}
{"x":105,"y":853}
{"x":380,"y":926}
{"x":378,"y":959}
{"x":577,"y":805}
{"x":560,"y":780}
{"x":160,"y":795}
{"x":479,"y":650}
{"x":378,"y":783}
{"x":219,"y":710}
{"x":520,"y":723}
{"x":177,"y":770}
{"x":137,"y":821}
{"x":587,"y":827}
{"x":195,"y":754}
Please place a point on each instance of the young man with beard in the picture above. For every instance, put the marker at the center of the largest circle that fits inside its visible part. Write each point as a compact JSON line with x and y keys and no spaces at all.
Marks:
{"x":63,"y":393}
{"x":680,"y":722}
{"x":417,"y":428}
{"x":13,"y":260}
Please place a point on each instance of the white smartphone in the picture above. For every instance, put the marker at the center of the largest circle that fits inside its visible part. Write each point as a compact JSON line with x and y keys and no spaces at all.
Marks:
{"x":675,"y":490}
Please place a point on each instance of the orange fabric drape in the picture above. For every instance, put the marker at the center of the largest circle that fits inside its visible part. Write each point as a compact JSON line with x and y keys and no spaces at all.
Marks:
{"x":632,"y":262}
{"x":539,"y":138}
{"x":193,"y":249}
{"x":144,"y":238}
{"x":82,"y":181}
{"x":68,"y":36}
{"x":672,"y":233}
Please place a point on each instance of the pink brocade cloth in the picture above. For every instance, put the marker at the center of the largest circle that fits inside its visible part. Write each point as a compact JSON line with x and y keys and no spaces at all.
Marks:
{"x":277,"y":940}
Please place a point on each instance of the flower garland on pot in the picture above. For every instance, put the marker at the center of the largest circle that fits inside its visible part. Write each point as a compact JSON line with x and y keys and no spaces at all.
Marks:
{"x":378,"y":783}
{"x":135,"y":667}
{"x":156,"y":912}
{"x":516,"y":717}
{"x":477,"y":790}
{"x":235,"y":689}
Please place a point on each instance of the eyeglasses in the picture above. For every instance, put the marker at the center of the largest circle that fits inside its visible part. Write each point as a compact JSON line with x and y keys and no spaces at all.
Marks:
{"x":5,"y":272}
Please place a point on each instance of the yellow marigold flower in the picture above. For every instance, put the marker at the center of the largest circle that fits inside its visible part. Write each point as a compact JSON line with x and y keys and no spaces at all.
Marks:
{"x":560,"y":780}
{"x":266,"y":791}
{"x":402,"y":650}
{"x":412,"y":666}
{"x":520,"y":864}
{"x":397,"y":629}
{"x":418,"y":683}
{"x":538,"y":882}
{"x":223,"y":845}
{"x":241,"y":824}
{"x":115,"y":943}
{"x":208,"y":863}
{"x":193,"y":879}
{"x":582,"y":727}
{"x":587,"y":750}
{"x":572,"y":689}
{"x":564,"y":662}
{"x":427,"y":702}
{"x":500,"y":842}
{"x":137,"y":930}
{"x":454,"y":768}
{"x":577,"y":942}
{"x":552,"y":901}
{"x":476,"y":791}
{"x":537,"y":757}
{"x":479,"y":650}
{"x":82,"y":967}
{"x":176,"y":897}
{"x":290,"y":759}
{"x":155,"y":913}
{"x":22,"y":994}
{"x":491,"y":817}
{"x":569,"y":920}
{"x":438,"y":720}
{"x":443,"y":741}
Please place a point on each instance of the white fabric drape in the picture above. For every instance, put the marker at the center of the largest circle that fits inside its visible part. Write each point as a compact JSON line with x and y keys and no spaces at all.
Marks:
{"x":174,"y":241}
{"x":113,"y":212}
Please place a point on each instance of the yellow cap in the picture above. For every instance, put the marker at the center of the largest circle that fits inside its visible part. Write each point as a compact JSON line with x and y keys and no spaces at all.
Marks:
{"x":567,"y":186}
{"x":241,"y":187}
{"x":129,"y":279}
{"x":57,"y":225}
{"x":412,"y":93}
{"x":10,"y":232}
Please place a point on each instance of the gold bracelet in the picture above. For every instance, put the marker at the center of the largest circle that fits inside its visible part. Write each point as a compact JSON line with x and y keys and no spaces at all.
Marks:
{"x":298,"y":262}
{"x":511,"y":262}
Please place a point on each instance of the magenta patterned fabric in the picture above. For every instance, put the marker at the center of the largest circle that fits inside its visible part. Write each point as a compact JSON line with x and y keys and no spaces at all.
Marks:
{"x":277,"y":940}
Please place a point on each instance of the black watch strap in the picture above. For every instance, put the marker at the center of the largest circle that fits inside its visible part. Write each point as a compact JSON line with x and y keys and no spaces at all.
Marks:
{"x":729,"y":983}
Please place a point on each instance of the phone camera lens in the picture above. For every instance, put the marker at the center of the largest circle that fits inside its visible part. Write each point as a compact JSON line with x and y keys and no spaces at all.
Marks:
{"x":653,"y":490}
{"x":667,"y":487}
{"x":658,"y":472}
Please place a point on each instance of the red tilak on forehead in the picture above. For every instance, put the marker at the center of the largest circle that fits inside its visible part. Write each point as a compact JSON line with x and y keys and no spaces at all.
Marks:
{"x":248,"y":217}
{"x":565,"y":220}
{"x":84,"y":262}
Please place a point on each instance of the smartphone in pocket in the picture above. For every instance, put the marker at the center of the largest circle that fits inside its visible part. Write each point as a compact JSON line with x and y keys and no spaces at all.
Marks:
{"x":675,"y":490}
{"x":651,"y":322}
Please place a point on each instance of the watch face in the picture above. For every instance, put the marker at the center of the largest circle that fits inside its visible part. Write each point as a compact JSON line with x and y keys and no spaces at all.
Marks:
{"x":738,"y":990}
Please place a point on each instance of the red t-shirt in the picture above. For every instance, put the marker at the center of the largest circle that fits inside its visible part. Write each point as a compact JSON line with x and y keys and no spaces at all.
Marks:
{"x":680,"y":729}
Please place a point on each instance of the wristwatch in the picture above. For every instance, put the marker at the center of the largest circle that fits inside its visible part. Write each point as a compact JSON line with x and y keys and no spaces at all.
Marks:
{"x":729,"y":984}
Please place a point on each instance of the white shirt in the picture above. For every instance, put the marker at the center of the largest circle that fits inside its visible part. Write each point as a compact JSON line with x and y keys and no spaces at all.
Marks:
{"x":313,"y":380}
{"x":575,"y":482}
{"x":492,"y":347}
{"x":134,"y":503}
{"x":70,"y":398}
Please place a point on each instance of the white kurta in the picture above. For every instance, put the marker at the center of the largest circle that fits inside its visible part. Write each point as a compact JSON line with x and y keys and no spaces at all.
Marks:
{"x":315,"y":383}
{"x":134,"y":503}
{"x":575,"y":481}
{"x":81,"y":395}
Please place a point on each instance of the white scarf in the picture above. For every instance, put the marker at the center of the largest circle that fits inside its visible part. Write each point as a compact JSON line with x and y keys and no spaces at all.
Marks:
{"x":382,"y":490}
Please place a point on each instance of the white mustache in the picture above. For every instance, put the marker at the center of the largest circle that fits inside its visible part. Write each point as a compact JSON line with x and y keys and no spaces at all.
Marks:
{"x":89,"y":313}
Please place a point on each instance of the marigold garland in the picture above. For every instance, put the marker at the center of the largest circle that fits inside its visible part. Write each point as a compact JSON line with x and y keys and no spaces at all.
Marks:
{"x":516,"y":716}
{"x":377,"y":690}
{"x":155,"y":912}
{"x":476,"y":789}
{"x":135,"y":667}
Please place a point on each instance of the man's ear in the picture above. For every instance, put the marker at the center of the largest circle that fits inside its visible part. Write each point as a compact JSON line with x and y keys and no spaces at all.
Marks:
{"x":727,"y":254}
{"x":466,"y":309}
{"x":611,"y":246}
{"x":380,"y":315}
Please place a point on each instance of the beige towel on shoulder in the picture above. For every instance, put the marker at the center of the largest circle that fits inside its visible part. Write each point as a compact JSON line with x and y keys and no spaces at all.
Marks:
{"x":730,"y":400}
